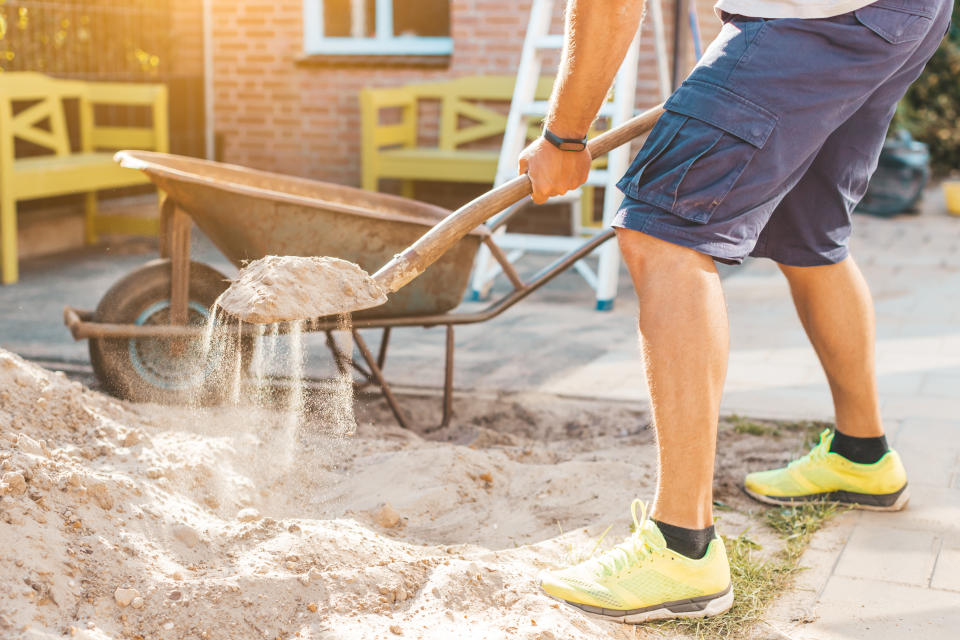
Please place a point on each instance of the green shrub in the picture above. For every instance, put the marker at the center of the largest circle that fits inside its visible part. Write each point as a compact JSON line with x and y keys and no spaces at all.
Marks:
{"x":930,"y":110}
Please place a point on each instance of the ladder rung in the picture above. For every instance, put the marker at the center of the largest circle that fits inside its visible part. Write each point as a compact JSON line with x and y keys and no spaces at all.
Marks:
{"x":539,"y":108}
{"x":550,"y":41}
{"x":598,"y":177}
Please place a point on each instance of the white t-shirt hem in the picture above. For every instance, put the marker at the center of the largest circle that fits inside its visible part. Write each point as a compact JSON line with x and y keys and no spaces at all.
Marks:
{"x":789,"y":8}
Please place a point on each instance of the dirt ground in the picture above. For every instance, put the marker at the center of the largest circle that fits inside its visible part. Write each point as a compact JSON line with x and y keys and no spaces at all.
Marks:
{"x":141,"y":521}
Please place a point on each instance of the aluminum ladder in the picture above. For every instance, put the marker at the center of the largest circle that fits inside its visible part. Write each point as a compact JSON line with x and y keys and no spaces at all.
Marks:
{"x":522,"y":107}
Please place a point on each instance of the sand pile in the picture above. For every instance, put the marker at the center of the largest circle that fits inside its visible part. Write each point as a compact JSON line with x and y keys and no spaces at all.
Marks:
{"x":141,"y":521}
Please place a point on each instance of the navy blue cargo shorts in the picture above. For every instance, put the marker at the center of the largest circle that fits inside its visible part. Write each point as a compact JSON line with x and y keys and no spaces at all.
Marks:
{"x":768,"y":145}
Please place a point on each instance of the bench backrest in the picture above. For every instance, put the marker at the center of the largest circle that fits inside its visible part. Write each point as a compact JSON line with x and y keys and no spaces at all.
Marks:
{"x":43,"y":122}
{"x":461,"y":99}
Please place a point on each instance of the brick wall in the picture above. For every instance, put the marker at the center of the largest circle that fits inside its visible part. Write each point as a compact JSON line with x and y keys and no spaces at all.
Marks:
{"x":278,"y":113}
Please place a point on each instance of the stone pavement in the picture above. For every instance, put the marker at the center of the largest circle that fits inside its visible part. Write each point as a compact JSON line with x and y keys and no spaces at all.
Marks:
{"x":871,"y":575}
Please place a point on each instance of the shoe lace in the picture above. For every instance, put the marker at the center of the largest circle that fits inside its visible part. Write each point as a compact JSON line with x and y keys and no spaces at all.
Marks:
{"x":637,"y":547}
{"x":817,"y":454}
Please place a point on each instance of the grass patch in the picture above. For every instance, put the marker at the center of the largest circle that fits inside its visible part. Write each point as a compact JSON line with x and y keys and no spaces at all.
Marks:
{"x":758,"y":579}
{"x":754,"y":427}
{"x":810,"y":429}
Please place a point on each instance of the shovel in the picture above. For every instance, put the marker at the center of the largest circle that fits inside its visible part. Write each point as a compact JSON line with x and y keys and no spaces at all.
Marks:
{"x":288,"y":288}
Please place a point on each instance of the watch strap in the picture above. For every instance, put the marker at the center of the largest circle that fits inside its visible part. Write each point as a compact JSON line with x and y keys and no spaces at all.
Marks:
{"x":565,"y":144}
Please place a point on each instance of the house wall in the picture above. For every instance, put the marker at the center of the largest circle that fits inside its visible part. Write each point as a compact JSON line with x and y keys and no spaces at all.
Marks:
{"x":278,"y":112}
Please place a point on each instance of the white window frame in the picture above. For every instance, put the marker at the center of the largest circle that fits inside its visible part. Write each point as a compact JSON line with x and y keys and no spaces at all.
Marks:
{"x":384,"y":42}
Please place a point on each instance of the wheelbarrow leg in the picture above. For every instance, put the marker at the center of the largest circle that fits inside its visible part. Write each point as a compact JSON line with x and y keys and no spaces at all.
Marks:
{"x":378,"y":376}
{"x":338,"y":357}
{"x":177,"y":245}
{"x":448,"y":381}
{"x":384,"y":341}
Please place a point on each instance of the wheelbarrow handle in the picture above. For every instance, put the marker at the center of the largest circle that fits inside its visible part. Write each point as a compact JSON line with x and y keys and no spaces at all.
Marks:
{"x":407,"y":265}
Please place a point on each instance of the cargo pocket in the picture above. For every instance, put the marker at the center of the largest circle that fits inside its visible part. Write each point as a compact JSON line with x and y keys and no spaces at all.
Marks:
{"x":698,"y":151}
{"x":896,"y":23}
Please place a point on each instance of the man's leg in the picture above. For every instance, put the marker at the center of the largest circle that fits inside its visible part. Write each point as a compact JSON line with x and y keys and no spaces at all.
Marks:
{"x":835,"y":307}
{"x":673,"y":565}
{"x":853,"y":464}
{"x":684,"y":336}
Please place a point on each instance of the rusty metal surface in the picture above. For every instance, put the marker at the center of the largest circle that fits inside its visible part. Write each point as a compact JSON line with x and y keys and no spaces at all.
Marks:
{"x":248,"y":214}
{"x":80,"y":325}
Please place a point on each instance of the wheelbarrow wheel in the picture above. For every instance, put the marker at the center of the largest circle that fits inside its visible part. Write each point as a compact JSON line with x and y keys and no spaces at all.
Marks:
{"x":158,"y":369}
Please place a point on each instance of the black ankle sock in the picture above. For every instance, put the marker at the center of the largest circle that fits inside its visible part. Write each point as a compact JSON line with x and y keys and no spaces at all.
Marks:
{"x":859,"y":450}
{"x":687,"y":542}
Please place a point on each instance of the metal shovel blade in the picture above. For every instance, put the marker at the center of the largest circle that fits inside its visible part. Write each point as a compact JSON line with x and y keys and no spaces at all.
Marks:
{"x":290,"y":288}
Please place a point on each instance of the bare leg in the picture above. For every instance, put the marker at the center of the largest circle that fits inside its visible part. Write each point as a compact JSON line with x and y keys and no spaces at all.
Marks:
{"x":685,"y":340}
{"x":836,"y":310}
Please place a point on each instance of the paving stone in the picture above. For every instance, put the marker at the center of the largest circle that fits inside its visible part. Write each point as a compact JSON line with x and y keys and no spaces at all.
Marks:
{"x":886,"y":553}
{"x":932,"y":509}
{"x":936,"y":383}
{"x":946,"y":574}
{"x":930,"y":450}
{"x":858,"y":609}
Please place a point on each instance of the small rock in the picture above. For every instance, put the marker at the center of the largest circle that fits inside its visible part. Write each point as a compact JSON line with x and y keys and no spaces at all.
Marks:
{"x":29,"y":445}
{"x":100,"y":493}
{"x":132,"y":438}
{"x":154,"y":472}
{"x":174,"y":595}
{"x":137,"y":603}
{"x":248,"y":515}
{"x":13,"y":482}
{"x":389,"y":594}
{"x":386,"y":516}
{"x":125,"y":596}
{"x":312,"y":607}
{"x":186,"y":535}
{"x":396,"y":629}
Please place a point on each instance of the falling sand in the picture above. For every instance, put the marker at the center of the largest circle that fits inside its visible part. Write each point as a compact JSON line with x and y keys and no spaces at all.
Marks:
{"x":290,"y":288}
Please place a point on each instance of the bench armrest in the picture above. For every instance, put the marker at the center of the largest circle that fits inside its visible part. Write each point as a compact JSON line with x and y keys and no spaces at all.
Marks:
{"x":374,"y":136}
{"x":155,"y":137}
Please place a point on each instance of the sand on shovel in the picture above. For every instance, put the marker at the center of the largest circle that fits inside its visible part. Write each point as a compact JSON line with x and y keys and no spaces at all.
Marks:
{"x":289,"y":288}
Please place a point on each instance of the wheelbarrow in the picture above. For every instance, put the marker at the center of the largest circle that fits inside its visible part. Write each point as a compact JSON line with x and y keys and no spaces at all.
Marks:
{"x":144,"y":333}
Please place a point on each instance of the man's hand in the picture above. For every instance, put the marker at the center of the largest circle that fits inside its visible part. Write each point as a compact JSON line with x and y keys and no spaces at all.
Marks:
{"x":552,"y":171}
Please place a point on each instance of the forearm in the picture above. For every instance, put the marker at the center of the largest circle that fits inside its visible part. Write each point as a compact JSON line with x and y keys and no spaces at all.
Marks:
{"x":597,"y":34}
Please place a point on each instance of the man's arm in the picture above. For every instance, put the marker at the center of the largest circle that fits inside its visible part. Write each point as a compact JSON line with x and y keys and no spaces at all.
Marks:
{"x":597,"y":34}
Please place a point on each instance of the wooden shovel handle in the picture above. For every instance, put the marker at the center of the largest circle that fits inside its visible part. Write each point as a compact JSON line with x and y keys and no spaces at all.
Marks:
{"x":421,"y":254}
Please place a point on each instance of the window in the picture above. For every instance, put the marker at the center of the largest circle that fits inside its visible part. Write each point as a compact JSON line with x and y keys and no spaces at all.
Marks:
{"x":377,"y":27}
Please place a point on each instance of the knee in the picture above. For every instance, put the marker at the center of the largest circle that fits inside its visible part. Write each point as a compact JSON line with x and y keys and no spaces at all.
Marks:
{"x":649,"y":258}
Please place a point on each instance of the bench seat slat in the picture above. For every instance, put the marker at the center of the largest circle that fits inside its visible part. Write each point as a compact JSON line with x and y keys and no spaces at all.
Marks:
{"x":461,"y":165}
{"x":42,"y":176}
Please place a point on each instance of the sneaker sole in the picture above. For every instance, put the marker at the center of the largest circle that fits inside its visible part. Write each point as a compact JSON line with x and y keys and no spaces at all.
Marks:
{"x":895,"y":501}
{"x":699,"y":607}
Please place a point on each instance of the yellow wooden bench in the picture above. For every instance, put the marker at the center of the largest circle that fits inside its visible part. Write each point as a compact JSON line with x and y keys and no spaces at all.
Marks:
{"x":32,"y":109}
{"x":390,"y":150}
{"x":389,"y":146}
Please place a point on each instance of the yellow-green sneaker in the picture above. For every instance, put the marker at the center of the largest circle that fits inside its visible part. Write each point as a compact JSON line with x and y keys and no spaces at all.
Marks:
{"x":822,"y":475}
{"x":641,"y":579}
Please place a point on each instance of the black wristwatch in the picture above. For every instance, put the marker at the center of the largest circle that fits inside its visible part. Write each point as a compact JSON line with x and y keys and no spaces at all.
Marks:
{"x":565,"y":144}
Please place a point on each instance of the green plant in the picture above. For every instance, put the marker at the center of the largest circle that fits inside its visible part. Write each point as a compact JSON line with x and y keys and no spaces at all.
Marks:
{"x":930,"y":110}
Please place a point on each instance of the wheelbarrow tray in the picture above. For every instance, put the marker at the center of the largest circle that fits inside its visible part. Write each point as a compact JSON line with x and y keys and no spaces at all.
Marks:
{"x":249,"y":214}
